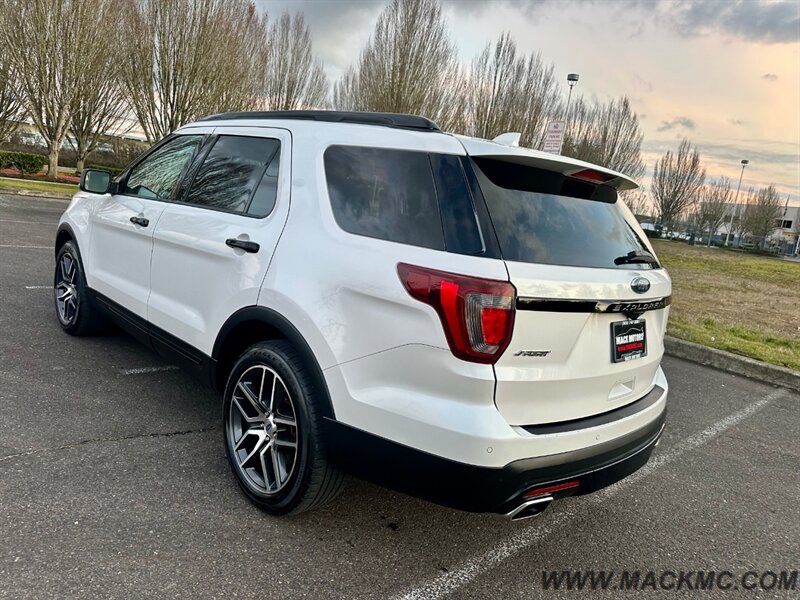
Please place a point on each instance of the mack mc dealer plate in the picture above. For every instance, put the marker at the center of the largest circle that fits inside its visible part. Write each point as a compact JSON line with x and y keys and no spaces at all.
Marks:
{"x":628,"y":340}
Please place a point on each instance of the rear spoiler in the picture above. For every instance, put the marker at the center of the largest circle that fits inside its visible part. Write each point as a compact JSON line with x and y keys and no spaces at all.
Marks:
{"x":544,"y":160}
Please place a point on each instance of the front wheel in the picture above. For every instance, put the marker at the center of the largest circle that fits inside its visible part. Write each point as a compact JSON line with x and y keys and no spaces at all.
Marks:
{"x":76,"y":312}
{"x":273,"y":431}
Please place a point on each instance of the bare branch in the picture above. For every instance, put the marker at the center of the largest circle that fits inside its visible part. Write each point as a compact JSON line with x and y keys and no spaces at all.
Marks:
{"x":408,"y":66}
{"x":99,"y":106}
{"x":677,"y":180}
{"x":187,"y":59}
{"x":638,"y":202}
{"x":714,"y":206}
{"x":293,"y":78}
{"x":40,"y":39}
{"x":10,"y":106}
{"x":506,"y":91}
{"x":761,"y":214}
{"x":607,"y":135}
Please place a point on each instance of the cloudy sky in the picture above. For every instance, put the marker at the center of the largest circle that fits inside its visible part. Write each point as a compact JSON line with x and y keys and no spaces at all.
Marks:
{"x":725,"y":73}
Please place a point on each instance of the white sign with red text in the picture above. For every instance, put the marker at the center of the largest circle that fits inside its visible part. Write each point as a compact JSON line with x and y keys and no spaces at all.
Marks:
{"x":554,"y":137}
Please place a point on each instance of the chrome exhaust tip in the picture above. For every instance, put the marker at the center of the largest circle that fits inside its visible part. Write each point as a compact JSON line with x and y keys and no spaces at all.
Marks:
{"x":530,"y":508}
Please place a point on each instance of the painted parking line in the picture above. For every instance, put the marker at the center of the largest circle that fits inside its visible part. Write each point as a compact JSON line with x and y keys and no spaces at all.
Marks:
{"x":38,"y":287}
{"x":21,"y":246}
{"x":29,"y":222}
{"x":470,"y":569}
{"x":144,"y":370}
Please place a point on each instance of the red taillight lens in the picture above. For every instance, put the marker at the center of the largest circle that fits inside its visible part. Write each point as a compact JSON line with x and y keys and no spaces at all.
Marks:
{"x":592,"y":175}
{"x":552,"y":489}
{"x":477,"y":314}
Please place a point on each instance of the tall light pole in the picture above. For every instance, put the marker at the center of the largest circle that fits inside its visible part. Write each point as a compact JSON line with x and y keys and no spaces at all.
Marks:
{"x":745,"y":162}
{"x":572,"y":80}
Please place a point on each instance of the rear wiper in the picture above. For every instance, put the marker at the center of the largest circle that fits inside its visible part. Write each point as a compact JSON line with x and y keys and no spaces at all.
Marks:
{"x":636,"y":257}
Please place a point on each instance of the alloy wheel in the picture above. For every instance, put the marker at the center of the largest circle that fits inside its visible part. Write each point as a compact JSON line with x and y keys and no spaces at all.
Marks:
{"x":262,"y":430}
{"x":66,"y":289}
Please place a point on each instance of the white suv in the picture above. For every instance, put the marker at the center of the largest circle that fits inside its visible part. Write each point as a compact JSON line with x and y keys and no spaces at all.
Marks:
{"x":475,"y":323}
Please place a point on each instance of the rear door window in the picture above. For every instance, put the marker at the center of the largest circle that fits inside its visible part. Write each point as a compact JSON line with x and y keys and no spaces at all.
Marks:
{"x":385,"y":194}
{"x":237,"y":175}
{"x":545,"y":217}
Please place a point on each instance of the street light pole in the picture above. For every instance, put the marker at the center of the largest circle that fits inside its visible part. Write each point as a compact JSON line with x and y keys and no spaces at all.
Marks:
{"x":572,"y":80}
{"x":745,"y":162}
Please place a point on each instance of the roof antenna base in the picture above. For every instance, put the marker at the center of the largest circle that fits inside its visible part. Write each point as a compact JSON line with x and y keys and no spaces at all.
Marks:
{"x":508,"y":139}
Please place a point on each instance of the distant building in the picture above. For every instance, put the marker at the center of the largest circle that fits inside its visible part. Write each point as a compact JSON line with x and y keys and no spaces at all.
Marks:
{"x":784,"y":237}
{"x":787,"y":230}
{"x":127,"y":128}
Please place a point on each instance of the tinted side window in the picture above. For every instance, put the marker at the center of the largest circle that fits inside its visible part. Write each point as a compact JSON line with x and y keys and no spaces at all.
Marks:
{"x":267,"y":191}
{"x":232,"y":173}
{"x":157,"y":175}
{"x":385,"y":194}
{"x":461,"y":231}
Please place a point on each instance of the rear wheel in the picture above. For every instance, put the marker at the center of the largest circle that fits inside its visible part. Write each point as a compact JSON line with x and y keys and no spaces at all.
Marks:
{"x":75,"y":310}
{"x":273,"y":431}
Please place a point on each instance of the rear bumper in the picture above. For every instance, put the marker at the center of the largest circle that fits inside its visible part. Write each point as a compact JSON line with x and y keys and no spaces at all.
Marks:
{"x":485,"y":489}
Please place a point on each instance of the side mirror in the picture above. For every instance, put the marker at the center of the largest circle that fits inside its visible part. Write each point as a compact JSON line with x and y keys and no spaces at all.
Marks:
{"x":95,"y":181}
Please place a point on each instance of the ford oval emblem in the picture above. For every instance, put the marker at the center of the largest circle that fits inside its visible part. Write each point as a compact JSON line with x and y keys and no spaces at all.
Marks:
{"x":640,"y":285}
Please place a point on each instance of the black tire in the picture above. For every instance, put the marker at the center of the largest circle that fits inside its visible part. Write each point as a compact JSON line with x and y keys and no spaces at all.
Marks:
{"x":78,"y":315}
{"x":311,"y":480}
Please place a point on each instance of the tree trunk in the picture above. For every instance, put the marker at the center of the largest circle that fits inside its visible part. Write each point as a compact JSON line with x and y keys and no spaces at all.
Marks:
{"x":81,"y":154}
{"x":52,"y":167}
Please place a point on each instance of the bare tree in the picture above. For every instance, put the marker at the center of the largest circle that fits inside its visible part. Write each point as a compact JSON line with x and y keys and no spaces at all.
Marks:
{"x":713,"y":207}
{"x":760,"y":216}
{"x":99,"y":106}
{"x":293,"y":78}
{"x":606,"y":134}
{"x":677,"y":180}
{"x":408,"y":65}
{"x":40,"y":39}
{"x":507,"y":91}
{"x":9,"y":98}
{"x":185,"y":59}
{"x":638,"y":202}
{"x":740,"y":224}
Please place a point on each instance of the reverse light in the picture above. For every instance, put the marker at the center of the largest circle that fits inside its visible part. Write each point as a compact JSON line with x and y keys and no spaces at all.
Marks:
{"x":477,"y":314}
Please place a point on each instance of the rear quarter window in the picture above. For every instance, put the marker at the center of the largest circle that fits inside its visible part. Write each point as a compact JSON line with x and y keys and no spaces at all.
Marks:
{"x":385,"y":194}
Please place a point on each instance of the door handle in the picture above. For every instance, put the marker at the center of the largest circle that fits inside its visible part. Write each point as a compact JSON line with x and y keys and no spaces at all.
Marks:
{"x":140,"y":221}
{"x":242,"y":245}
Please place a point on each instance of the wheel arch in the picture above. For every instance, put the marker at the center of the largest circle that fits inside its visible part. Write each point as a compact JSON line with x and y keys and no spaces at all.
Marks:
{"x":254,"y":324}
{"x":64,"y":234}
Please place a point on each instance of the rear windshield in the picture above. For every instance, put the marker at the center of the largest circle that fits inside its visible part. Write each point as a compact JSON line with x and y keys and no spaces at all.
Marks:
{"x":544,"y":217}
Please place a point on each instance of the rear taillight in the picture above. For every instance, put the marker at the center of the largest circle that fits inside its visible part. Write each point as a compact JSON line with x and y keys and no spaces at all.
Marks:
{"x":477,"y":314}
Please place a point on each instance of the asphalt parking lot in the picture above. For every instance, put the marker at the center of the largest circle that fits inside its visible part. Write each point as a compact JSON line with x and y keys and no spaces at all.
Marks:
{"x":114,"y":483}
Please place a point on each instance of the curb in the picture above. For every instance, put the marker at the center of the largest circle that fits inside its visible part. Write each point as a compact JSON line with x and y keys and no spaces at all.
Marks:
{"x":733,"y":363}
{"x":36,"y":194}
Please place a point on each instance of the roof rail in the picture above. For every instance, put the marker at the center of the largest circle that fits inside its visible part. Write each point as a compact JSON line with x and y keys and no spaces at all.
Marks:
{"x":399,"y":121}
